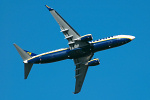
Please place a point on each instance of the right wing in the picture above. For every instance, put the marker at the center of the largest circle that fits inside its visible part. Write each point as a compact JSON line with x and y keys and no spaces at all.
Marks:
{"x":70,"y":34}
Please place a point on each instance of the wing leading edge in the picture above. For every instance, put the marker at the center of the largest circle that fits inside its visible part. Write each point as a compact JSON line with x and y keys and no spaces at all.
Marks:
{"x":70,"y":34}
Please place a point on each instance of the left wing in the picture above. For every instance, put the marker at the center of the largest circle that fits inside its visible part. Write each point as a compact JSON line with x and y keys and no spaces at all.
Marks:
{"x":81,"y":70}
{"x":70,"y":34}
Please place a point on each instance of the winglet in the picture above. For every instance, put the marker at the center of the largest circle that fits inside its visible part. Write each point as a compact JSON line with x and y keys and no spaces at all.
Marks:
{"x":75,"y":92}
{"x":49,"y":8}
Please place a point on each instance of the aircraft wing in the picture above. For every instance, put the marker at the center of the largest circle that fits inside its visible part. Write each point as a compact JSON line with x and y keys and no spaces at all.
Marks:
{"x":81,"y":70}
{"x":70,"y":34}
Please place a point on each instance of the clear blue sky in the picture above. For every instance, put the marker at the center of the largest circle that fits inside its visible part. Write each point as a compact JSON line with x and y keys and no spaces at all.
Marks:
{"x":124,"y":73}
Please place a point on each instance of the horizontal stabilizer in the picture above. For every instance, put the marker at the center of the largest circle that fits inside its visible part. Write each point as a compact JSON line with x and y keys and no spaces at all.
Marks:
{"x":24,"y":55}
{"x":27,"y":68}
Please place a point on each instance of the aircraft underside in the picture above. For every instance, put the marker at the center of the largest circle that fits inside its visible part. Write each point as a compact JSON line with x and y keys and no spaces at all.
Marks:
{"x":81,"y":50}
{"x":78,"y":52}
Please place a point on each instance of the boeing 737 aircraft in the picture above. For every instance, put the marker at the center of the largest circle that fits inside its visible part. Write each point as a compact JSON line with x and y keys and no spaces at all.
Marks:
{"x":81,"y":49}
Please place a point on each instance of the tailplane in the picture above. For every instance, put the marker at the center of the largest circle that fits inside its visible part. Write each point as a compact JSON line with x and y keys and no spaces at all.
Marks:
{"x":27,"y":68}
{"x":25,"y":55}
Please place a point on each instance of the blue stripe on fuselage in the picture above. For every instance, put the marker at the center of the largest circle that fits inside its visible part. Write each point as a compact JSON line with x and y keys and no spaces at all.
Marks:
{"x":50,"y":56}
{"x":53,"y":57}
{"x":102,"y":45}
{"x":62,"y":54}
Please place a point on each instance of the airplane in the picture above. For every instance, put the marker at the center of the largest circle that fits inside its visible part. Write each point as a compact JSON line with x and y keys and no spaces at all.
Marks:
{"x":81,"y":49}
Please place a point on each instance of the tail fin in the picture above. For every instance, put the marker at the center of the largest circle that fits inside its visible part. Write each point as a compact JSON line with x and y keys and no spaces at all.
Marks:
{"x":24,"y":55}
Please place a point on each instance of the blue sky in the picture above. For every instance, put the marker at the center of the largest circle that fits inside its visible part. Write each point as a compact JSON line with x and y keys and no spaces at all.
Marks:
{"x":124,"y":72}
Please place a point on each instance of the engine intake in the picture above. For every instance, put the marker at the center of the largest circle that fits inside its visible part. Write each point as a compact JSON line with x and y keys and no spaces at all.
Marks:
{"x":93,"y":62}
{"x":87,"y":37}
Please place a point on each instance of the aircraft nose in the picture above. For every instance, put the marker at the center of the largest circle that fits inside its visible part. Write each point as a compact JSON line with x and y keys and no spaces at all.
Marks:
{"x":132,"y":37}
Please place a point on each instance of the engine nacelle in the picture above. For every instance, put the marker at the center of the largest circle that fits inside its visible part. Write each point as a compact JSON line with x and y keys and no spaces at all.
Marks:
{"x":87,"y":37}
{"x":93,"y":62}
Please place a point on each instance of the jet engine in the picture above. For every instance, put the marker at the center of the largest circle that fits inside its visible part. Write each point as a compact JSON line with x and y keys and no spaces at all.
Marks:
{"x":93,"y":62}
{"x":85,"y":38}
